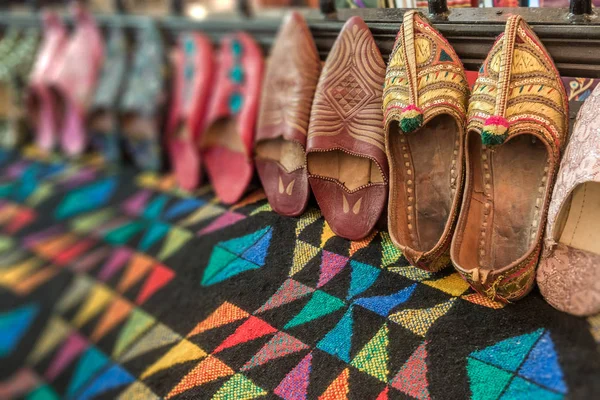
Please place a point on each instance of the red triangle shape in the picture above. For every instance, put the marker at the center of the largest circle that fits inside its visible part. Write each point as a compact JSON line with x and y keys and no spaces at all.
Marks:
{"x":291,"y":290}
{"x":24,"y":217}
{"x":73,"y":252}
{"x":280,"y":345}
{"x":412,"y":377}
{"x":331,"y":265}
{"x":252,"y":328}
{"x":158,"y":278}
{"x":384,"y":394}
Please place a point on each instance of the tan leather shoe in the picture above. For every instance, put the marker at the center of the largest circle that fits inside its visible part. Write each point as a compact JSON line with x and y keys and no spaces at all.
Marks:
{"x":425,"y":104}
{"x":518,"y":121}
{"x":569,"y":270}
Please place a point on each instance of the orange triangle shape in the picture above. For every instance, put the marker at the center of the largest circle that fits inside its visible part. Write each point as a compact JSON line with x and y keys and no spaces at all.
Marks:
{"x":225,"y":314}
{"x":116,"y":312}
{"x":139,"y":265}
{"x":208,"y":370}
{"x":159,"y":277}
{"x":54,"y":246}
{"x":338,"y":389}
{"x":31,"y":282}
{"x":20,"y":220}
{"x":7,"y":212}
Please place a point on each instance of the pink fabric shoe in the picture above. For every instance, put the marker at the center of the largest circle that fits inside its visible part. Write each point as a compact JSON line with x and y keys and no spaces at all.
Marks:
{"x":231,"y":123}
{"x":75,"y":80}
{"x":40,"y":102}
{"x":193,"y":75}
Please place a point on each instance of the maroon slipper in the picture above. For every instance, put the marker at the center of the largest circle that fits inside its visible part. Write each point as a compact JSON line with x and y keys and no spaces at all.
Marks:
{"x":287,"y":95}
{"x":347,"y":165}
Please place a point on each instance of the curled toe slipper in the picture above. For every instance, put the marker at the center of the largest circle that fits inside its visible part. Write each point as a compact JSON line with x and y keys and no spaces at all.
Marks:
{"x":347,"y":165}
{"x":569,"y":270}
{"x":425,"y":105}
{"x":227,"y":142}
{"x":193,"y":75}
{"x":517,"y":127}
{"x":288,"y":90}
{"x":75,"y":81}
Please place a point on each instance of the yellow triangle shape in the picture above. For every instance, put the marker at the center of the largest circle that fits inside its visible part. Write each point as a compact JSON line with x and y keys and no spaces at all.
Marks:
{"x":201,"y":214}
{"x":264,"y":208}
{"x":98,"y":299}
{"x":43,"y":191}
{"x":327,"y":234}
{"x":307,"y":219}
{"x":54,"y":333}
{"x":138,"y":391}
{"x":182,"y":352}
{"x":148,"y":179}
{"x":420,"y":320}
{"x":11,"y":276}
{"x":453,"y":284}
{"x":303,"y":253}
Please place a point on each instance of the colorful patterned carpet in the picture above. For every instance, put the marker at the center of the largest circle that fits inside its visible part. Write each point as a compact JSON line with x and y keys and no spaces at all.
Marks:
{"x":116,"y":285}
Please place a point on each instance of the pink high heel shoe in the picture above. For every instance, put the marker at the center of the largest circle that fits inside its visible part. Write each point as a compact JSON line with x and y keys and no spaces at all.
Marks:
{"x":75,"y":80}
{"x":40,"y":103}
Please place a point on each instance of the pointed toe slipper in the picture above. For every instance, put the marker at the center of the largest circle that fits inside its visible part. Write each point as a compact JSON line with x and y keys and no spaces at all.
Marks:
{"x":517,"y":127}
{"x":102,"y":118}
{"x":288,"y":90}
{"x":425,"y":104}
{"x":347,"y":166}
{"x":227,"y":142}
{"x":193,"y":74}
{"x":41,"y":107}
{"x":569,"y":271}
{"x":75,"y":81}
{"x":140,"y":115}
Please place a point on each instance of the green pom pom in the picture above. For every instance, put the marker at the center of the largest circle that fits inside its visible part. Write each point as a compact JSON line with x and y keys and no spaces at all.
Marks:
{"x":490,"y":139}
{"x":411,"y":124}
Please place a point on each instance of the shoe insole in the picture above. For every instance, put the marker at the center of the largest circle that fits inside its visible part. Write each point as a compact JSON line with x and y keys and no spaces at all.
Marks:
{"x":290,"y":155}
{"x":223,"y":133}
{"x":581,"y":226}
{"x":351,"y":171}
{"x":518,"y":183}
{"x":422,"y":169}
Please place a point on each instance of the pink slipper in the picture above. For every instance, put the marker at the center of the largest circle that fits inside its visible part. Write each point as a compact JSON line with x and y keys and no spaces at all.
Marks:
{"x":193,"y":76}
{"x":40,"y":103}
{"x":75,"y":80}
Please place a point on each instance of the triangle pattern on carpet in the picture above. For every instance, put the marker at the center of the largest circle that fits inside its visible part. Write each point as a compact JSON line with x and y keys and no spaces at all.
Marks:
{"x":155,"y":232}
{"x":412,"y":377}
{"x":137,"y":391}
{"x":420,"y":320}
{"x":208,"y":370}
{"x":98,"y":300}
{"x":137,"y":323}
{"x":337,"y":341}
{"x":138,"y":267}
{"x":373,"y":358}
{"x":54,"y":333}
{"x":290,"y":291}
{"x":362,"y":277}
{"x":331,"y":265}
{"x":69,"y":350}
{"x":183,"y":351}
{"x":155,"y":208}
{"x":14,"y":325}
{"x":303,"y":253}
{"x":158,"y":278}
{"x":136,"y":203}
{"x":295,"y":384}
{"x":339,"y":388}
{"x":183,"y":207}
{"x":158,"y":336}
{"x":115,"y":262}
{"x":110,"y":379}
{"x":239,"y":387}
{"x":224,"y":315}
{"x":253,"y":328}
{"x":319,"y":305}
{"x":91,"y":362}
{"x":383,"y":305}
{"x":228,"y":218}
{"x":541,"y":366}
{"x":279,"y":346}
{"x":86,"y":199}
{"x":176,"y":238}
{"x":114,"y":314}
{"x":390,"y":254}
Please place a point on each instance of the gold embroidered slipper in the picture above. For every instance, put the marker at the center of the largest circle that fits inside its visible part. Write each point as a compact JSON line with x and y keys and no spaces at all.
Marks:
{"x":517,"y":126}
{"x":425,"y":104}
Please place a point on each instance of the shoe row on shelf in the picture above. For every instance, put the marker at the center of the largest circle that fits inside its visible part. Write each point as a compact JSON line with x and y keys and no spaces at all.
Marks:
{"x":469,"y":175}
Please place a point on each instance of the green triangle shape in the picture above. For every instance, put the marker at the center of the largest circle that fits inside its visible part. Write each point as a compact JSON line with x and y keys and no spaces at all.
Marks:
{"x":176,"y":238}
{"x":219,"y":259}
{"x":6,"y":189}
{"x":92,"y":361}
{"x":520,"y":388}
{"x":241,"y":244}
{"x":123,"y":233}
{"x":88,"y":222}
{"x":154,"y":209}
{"x":509,"y":353}
{"x":235,"y":267}
{"x":319,"y":305}
{"x":43,"y":191}
{"x":389,"y":253}
{"x":137,"y":324}
{"x":43,"y":392}
{"x":445,"y":56}
{"x":6,"y":243}
{"x":373,"y":358}
{"x":486,"y":381}
{"x":239,"y":388}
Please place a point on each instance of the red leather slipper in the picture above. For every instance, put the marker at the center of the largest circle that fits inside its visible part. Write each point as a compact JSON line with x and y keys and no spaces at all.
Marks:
{"x":289,"y":87}
{"x":40,"y":104}
{"x":226,"y":146}
{"x":347,"y":165}
{"x":75,"y":80}
{"x":193,"y":76}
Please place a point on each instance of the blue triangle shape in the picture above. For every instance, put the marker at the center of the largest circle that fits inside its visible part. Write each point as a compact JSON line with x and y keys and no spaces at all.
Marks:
{"x":258,"y":252}
{"x":383,"y":305}
{"x":13,"y":325}
{"x":92,"y":361}
{"x":110,"y":379}
{"x":509,"y":353}
{"x":219,"y":260}
{"x":86,"y":199}
{"x":154,"y":209}
{"x":241,"y":244}
{"x":28,"y":183}
{"x":183,"y":207}
{"x":361,"y":278}
{"x":234,"y":268}
{"x":541,"y":366}
{"x":52,"y":169}
{"x":154,"y":233}
{"x":337,"y":342}
{"x":521,"y":389}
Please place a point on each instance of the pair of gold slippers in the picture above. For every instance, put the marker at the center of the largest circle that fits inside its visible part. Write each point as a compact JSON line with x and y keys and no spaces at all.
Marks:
{"x":471,"y":177}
